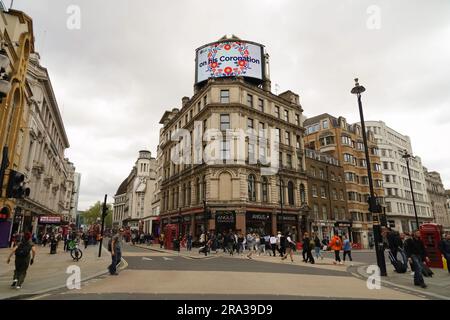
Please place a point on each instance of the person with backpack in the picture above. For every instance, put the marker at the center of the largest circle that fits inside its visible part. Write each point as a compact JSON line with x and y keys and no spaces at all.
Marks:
{"x":24,"y":253}
{"x":336,"y":245}
{"x":317,"y":247}
{"x":115,"y":247}
{"x":347,"y":247}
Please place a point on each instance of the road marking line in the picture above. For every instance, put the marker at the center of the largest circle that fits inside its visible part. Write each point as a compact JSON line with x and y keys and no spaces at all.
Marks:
{"x":166,"y":259}
{"x":40,"y":296}
{"x":145,"y":258}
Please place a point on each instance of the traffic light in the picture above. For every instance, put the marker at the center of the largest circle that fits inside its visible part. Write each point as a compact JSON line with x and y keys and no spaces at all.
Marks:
{"x":16,"y":188}
{"x":4,"y":213}
{"x":374,"y":206}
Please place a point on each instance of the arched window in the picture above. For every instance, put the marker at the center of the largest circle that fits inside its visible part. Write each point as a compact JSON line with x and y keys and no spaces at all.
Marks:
{"x":251,"y":188}
{"x":264,"y":190}
{"x":302,"y":193}
{"x":291,"y":193}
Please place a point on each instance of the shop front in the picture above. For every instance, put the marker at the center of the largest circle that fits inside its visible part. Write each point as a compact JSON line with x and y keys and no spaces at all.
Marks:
{"x":48,"y":224}
{"x":344,"y":228}
{"x":323,"y":229}
{"x":288,"y":223}
{"x":199,"y":224}
{"x":186,"y":225}
{"x":257,"y":222}
{"x":225,"y":221}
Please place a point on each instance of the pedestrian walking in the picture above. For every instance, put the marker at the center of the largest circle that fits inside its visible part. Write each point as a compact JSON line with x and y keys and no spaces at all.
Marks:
{"x":116,"y":251}
{"x":230,"y":242}
{"x":444,"y":246}
{"x":251,"y":242}
{"x":347,"y":247}
{"x":24,"y":257}
{"x":273,"y":245}
{"x":317,"y":247}
{"x":53,"y":244}
{"x":282,"y":244}
{"x":290,"y":247}
{"x":416,"y":253}
{"x":308,"y":245}
{"x":336,"y":245}
{"x":189,"y":242}
{"x":161,"y":240}
{"x":241,"y":240}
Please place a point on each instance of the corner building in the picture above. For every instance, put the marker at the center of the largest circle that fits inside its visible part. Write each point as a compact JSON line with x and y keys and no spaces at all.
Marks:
{"x":237,"y":192}
{"x":343,"y":141}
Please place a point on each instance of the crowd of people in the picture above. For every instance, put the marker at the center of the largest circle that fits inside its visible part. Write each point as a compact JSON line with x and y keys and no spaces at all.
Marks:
{"x":281,"y":244}
{"x":409,"y":249}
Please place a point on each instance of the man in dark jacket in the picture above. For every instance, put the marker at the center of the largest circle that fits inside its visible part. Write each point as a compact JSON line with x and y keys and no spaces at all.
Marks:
{"x":416,"y":253}
{"x":444,"y":246}
{"x":307,"y":255}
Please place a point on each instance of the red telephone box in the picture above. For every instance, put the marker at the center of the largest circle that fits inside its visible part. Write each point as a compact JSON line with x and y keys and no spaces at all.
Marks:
{"x":170,"y":234}
{"x":430,"y":233}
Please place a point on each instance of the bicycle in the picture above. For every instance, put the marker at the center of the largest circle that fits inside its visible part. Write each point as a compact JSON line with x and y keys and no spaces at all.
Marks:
{"x":75,"y":252}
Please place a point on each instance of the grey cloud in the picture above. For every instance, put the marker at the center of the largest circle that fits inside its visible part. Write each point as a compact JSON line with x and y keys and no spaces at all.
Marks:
{"x":131,"y":61}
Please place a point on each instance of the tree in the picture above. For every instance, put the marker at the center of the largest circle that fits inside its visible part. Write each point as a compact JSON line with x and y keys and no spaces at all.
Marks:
{"x":91,"y":215}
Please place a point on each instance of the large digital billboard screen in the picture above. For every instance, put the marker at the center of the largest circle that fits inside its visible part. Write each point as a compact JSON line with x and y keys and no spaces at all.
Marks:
{"x":229,"y":59}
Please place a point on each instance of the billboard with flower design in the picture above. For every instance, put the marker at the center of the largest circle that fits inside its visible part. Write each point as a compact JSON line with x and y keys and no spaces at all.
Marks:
{"x":229,"y":59}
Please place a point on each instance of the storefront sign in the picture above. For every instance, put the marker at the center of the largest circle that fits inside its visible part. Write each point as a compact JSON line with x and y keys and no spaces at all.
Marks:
{"x":287,"y":217}
{"x":49,"y":220}
{"x":258,"y":216}
{"x":343,"y":224}
{"x":225,"y":217}
{"x":199,"y":217}
{"x":175,"y":219}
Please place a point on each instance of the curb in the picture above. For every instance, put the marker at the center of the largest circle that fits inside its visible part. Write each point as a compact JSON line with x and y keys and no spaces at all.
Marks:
{"x":175,"y":253}
{"x":421,"y":293}
{"x":30,"y":296}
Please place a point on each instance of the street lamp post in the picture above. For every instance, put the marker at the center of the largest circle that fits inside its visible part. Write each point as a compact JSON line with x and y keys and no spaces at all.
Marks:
{"x":407,"y":156}
{"x":179,"y":229}
{"x":281,"y":204}
{"x":372,"y":201}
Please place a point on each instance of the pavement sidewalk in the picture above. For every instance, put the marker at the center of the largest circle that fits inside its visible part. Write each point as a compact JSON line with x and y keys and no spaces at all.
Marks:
{"x":49,"y":271}
{"x":438,"y":285}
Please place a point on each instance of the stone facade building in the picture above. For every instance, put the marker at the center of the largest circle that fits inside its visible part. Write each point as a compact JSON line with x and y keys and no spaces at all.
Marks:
{"x":32,"y":137}
{"x":328,"y":196}
{"x":247,"y":125}
{"x":397,"y":190}
{"x":438,"y":199}
{"x":335,"y":137}
{"x":133,"y":200}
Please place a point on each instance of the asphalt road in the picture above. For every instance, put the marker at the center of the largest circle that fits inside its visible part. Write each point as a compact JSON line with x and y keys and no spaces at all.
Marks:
{"x":137,"y":281}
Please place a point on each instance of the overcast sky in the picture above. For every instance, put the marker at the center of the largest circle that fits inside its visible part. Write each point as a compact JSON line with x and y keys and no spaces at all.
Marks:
{"x":131,"y":60}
